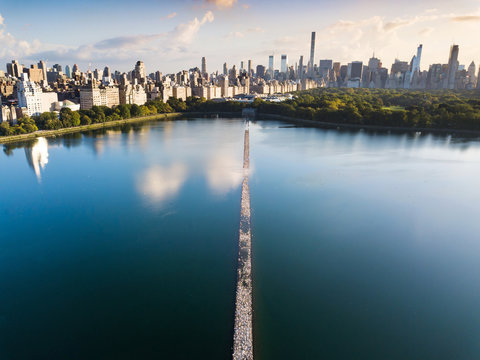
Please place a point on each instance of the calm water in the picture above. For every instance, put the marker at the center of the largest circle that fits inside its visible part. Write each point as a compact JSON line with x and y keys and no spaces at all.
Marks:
{"x":122,"y":244}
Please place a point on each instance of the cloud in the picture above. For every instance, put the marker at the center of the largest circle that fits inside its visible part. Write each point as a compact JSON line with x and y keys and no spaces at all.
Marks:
{"x":222,"y":4}
{"x":256,"y":30}
{"x":235,"y":35}
{"x":159,"y":184}
{"x":12,"y":47}
{"x":184,"y":33}
{"x":224,"y":172}
{"x":172,"y":15}
{"x":172,"y":43}
{"x":465,"y":18}
{"x":246,"y":6}
{"x":426,"y":31}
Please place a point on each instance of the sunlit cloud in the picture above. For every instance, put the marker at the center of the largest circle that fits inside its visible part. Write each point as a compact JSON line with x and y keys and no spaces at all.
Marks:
{"x":12,"y":47}
{"x":159,"y":184}
{"x":172,"y":43}
{"x":224,"y":172}
{"x":222,"y":4}
{"x":466,"y":18}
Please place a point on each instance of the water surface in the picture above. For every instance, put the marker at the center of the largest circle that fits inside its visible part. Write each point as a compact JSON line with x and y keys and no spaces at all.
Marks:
{"x":122,"y":243}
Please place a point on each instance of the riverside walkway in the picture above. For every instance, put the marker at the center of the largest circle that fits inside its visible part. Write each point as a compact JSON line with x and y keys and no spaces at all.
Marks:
{"x":243,"y":334}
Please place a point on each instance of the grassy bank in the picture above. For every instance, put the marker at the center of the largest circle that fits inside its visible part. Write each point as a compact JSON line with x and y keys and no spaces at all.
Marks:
{"x":53,"y":133}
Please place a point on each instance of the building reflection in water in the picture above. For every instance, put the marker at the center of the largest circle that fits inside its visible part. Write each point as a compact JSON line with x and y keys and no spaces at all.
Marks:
{"x":37,"y":156}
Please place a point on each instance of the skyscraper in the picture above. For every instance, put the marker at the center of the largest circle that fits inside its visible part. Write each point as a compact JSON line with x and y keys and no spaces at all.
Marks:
{"x":260,"y":71}
{"x":452,"y":67}
{"x":68,"y":71}
{"x":271,"y":65}
{"x":43,"y":66}
{"x":472,"y":79}
{"x":300,"y":68}
{"x":225,"y":69}
{"x":204,"y":65}
{"x":140,"y":72}
{"x":284,"y":64}
{"x":418,"y":59}
{"x":325,"y":66}
{"x":249,"y":67}
{"x":355,"y":70}
{"x":312,"y":52}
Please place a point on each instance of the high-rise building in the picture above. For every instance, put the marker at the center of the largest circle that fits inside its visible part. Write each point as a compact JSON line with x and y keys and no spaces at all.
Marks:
{"x":43,"y":66}
{"x":225,"y":69}
{"x":34,"y":73}
{"x":68,"y":71}
{"x":249,"y":67}
{"x":471,"y":78}
{"x":284,"y":64}
{"x":312,"y":52}
{"x":324,"y":67}
{"x":140,"y":74}
{"x":15,"y":69}
{"x":260,"y":71}
{"x":271,"y":66}
{"x":478,"y":78}
{"x":452,"y":67}
{"x":31,"y":97}
{"x":300,"y":68}
{"x":399,"y":67}
{"x":204,"y":66}
{"x":355,"y":70}
{"x":57,"y":68}
{"x":417,"y":59}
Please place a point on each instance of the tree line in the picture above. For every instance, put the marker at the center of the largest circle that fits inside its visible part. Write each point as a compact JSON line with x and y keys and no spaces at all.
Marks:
{"x":456,"y":110}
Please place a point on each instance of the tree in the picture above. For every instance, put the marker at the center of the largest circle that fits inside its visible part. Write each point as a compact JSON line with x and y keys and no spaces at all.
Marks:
{"x":5,"y":129}
{"x":135,"y":110}
{"x":85,"y":120}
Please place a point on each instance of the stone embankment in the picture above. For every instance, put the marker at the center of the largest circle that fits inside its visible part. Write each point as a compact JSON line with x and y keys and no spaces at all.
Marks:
{"x":243,"y":334}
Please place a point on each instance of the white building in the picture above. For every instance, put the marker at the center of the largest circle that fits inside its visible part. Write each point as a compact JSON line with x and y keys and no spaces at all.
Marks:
{"x":94,"y":96}
{"x":59,"y":105}
{"x":31,"y":97}
{"x":133,"y":94}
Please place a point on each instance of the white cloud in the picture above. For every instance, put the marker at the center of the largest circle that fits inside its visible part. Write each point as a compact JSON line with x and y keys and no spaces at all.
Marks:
{"x":159,"y":184}
{"x":121,"y":48}
{"x":222,"y":4}
{"x":12,"y":47}
{"x":184,"y":33}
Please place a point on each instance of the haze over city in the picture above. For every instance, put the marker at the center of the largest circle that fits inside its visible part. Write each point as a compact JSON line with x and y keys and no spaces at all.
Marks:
{"x":174,"y":35}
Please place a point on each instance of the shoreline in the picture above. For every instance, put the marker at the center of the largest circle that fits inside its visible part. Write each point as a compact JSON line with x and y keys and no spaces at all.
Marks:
{"x":70,"y":130}
{"x":335,"y":126}
{"x":259,"y":117}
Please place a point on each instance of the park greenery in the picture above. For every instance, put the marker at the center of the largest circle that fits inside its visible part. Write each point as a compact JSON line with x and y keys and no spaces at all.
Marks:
{"x":451,"y":110}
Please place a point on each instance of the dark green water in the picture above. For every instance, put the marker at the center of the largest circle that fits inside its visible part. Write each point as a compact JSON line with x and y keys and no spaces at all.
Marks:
{"x":122,"y":244}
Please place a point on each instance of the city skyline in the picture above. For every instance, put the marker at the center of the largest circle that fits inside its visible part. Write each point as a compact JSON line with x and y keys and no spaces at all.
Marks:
{"x":233,"y":31}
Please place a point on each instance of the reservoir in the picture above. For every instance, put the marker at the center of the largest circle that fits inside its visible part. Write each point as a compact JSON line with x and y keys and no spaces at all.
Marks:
{"x":122,"y":243}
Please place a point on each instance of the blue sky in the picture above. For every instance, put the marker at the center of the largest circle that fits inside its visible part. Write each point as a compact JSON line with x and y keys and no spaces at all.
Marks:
{"x":174,"y":35}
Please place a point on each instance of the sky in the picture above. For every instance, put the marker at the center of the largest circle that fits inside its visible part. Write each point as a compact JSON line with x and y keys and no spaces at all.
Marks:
{"x":173,"y":35}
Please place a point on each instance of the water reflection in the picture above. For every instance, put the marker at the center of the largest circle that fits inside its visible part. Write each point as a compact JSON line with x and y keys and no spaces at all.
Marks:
{"x":224,"y":172}
{"x":159,"y":184}
{"x":37,"y":156}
